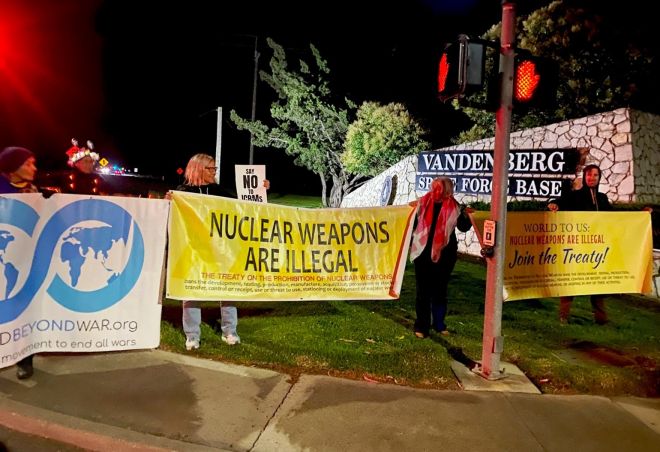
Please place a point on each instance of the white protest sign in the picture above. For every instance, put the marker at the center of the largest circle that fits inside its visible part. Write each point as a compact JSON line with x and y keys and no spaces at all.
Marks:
{"x":250,"y":182}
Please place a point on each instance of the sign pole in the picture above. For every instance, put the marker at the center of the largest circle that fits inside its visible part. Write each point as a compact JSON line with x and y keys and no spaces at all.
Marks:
{"x":492,"y":336}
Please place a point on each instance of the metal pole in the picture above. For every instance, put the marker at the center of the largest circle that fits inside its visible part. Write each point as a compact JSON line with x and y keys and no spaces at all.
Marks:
{"x":493,"y":342}
{"x":218,"y":145}
{"x":254,"y":92}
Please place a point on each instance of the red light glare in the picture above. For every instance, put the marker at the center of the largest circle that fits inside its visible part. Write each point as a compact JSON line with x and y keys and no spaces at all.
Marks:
{"x":48,"y":64}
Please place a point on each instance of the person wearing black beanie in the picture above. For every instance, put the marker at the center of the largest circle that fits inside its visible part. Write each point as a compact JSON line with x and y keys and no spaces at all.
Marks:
{"x":18,"y":168}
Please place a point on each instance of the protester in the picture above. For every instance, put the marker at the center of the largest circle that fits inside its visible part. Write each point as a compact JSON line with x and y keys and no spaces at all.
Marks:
{"x":586,"y":198}
{"x":199,"y":177}
{"x":18,"y":168}
{"x":434,"y":252}
{"x":81,"y":179}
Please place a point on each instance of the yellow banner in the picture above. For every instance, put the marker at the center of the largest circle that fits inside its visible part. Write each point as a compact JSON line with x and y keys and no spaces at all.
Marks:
{"x":553,"y":254}
{"x":224,"y":249}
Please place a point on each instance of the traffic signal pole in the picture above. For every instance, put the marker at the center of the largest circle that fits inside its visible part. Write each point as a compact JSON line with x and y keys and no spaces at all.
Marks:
{"x":493,"y":342}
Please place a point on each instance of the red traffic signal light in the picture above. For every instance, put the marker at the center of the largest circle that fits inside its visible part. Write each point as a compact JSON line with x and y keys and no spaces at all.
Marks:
{"x":450,"y":68}
{"x":534,"y":81}
{"x":525,"y":81}
{"x":443,"y":73}
{"x":461,"y":68}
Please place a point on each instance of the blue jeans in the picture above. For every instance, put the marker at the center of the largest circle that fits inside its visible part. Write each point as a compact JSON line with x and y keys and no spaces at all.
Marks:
{"x":192,"y":318}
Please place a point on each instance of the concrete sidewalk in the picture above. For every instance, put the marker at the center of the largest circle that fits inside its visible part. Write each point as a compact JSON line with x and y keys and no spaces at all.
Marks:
{"x":155,"y":400}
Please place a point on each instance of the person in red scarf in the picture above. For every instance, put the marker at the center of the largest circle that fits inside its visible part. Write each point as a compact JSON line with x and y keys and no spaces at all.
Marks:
{"x":433,"y":251}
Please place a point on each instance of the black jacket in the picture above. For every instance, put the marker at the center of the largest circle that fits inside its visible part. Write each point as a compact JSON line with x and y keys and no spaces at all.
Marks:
{"x":584,"y":199}
{"x":210,"y":189}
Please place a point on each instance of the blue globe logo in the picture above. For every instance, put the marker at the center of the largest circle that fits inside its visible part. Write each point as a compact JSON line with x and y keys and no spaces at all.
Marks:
{"x":8,"y":271}
{"x":96,"y":248}
{"x":93,"y":255}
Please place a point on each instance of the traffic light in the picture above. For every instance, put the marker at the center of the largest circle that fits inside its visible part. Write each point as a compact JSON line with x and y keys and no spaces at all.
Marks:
{"x":461,"y":68}
{"x":534,"y":81}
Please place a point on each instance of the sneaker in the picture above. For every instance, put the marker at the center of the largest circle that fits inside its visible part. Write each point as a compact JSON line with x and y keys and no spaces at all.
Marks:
{"x":420,"y":335}
{"x":192,"y":344}
{"x":231,"y":339}
{"x":445,"y":333}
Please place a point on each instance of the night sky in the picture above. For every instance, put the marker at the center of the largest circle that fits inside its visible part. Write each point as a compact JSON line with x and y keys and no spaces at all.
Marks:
{"x":142,"y":79}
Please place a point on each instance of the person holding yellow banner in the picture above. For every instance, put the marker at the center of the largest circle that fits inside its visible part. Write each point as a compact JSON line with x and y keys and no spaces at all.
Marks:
{"x":586,"y":198}
{"x":434,"y":251}
{"x":18,"y":169}
{"x":199,"y":177}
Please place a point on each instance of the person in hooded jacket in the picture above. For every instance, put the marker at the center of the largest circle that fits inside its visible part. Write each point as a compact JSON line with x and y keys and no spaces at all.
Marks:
{"x":586,"y":198}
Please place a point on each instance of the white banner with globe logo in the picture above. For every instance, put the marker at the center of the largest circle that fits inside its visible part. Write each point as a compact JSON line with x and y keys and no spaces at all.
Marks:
{"x":79,"y":273}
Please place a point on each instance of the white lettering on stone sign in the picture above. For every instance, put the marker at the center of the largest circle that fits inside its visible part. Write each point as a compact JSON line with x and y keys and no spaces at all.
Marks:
{"x":536,"y":188}
{"x":483,"y":185}
{"x":520,"y":161}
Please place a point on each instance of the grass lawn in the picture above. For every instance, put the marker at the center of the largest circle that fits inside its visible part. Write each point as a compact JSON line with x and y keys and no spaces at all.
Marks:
{"x":373,"y":340}
{"x":295,"y":200}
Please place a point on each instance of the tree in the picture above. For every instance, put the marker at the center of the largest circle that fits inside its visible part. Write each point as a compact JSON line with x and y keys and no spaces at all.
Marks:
{"x":380,"y":137}
{"x":606,"y":55}
{"x":308,"y":125}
